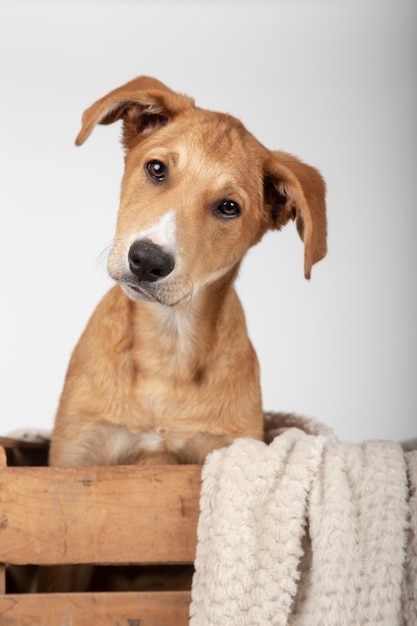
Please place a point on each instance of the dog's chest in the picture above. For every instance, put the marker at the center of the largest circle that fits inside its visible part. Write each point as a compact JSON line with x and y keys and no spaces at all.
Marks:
{"x":165,"y":406}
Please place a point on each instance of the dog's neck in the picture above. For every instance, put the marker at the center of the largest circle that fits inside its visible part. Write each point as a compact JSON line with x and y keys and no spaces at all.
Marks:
{"x":178,"y":340}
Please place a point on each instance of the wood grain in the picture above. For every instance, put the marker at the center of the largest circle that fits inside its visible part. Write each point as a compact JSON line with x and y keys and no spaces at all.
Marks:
{"x":108,"y":515}
{"x":101,"y":609}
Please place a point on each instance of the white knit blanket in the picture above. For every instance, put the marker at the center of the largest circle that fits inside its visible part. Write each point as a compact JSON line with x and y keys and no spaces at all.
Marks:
{"x":306,"y":531}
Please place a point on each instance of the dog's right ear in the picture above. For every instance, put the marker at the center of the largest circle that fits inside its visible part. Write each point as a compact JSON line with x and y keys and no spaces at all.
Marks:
{"x":144,"y":104}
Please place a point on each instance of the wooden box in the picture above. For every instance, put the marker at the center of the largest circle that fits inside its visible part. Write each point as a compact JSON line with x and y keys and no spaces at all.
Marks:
{"x":109,"y":516}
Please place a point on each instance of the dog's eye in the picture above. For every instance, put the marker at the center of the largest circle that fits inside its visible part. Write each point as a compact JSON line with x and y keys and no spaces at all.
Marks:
{"x":156,"y":170}
{"x":227,"y":209}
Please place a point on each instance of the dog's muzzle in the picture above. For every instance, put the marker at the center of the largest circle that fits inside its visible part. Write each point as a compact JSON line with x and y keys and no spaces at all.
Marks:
{"x":149,"y":275}
{"x":149,"y":262}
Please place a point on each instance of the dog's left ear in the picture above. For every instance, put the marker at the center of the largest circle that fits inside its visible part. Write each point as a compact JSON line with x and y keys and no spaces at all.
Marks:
{"x":144,"y":104}
{"x":295,"y":190}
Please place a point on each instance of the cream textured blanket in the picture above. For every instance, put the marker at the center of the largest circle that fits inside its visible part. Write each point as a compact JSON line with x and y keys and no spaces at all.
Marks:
{"x":306,"y":531}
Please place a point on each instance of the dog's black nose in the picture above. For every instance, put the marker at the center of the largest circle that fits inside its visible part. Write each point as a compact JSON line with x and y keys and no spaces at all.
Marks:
{"x":148,"y":261}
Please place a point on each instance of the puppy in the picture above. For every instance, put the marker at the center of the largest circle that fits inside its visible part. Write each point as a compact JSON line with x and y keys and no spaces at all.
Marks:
{"x":164,"y":371}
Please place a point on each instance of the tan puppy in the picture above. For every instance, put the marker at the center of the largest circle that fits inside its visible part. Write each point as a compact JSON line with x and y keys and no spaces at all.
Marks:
{"x":165,"y":371}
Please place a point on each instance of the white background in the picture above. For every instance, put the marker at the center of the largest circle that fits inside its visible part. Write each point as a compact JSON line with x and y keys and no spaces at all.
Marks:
{"x":332,"y":81}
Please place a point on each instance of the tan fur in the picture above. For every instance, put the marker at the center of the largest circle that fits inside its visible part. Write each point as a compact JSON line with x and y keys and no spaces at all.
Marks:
{"x":169,"y":375}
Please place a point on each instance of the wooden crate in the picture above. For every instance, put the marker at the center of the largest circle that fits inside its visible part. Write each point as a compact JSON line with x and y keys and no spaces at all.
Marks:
{"x":97,"y":515}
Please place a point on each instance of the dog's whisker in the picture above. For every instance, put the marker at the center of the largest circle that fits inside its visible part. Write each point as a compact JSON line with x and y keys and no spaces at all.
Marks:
{"x":102,"y":258}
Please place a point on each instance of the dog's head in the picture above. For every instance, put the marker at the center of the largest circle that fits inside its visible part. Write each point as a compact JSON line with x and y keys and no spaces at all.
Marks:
{"x":197,"y":192}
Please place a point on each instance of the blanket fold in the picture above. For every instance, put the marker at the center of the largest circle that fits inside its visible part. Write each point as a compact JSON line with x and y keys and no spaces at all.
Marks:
{"x":306,"y":531}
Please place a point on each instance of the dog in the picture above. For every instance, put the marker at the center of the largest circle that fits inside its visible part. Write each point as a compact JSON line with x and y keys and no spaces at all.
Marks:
{"x":164,"y":371}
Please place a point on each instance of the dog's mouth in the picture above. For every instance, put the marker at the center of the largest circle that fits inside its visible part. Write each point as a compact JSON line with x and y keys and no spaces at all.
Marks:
{"x":161,"y":292}
{"x":136,"y":293}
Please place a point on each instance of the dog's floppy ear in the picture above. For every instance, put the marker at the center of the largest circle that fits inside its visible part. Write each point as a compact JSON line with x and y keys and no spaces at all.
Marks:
{"x":144,"y":104}
{"x":295,"y":190}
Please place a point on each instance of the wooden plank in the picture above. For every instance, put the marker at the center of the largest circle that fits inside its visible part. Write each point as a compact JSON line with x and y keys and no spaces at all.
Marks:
{"x":109,"y":515}
{"x":3,"y":463}
{"x":104,"y":609}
